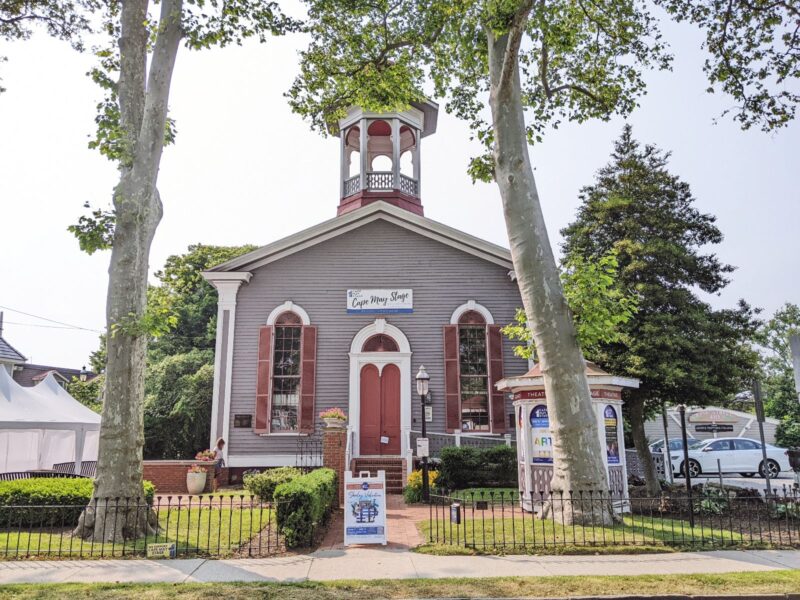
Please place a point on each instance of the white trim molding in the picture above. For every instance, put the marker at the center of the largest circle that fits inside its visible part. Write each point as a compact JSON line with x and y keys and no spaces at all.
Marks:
{"x":227,"y":285}
{"x":471,"y":305}
{"x":288,"y":306}
{"x":264,"y":460}
{"x":359,"y":359}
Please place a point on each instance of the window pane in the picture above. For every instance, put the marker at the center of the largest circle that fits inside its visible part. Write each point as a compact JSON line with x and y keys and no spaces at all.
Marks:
{"x":474,"y":379}
{"x":474,"y":412}
{"x":745,"y":445}
{"x":286,"y":378}
{"x":287,"y":351}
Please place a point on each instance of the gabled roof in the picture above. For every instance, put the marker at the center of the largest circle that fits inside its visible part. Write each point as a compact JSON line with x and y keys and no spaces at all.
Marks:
{"x":10,"y":354}
{"x":358,"y":218}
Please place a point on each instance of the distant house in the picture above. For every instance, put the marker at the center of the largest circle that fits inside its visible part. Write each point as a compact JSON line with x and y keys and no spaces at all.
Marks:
{"x":27,"y":374}
{"x":711,"y":422}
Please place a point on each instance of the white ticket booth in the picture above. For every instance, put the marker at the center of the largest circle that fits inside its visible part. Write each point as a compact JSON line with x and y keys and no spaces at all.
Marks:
{"x":535,"y":440}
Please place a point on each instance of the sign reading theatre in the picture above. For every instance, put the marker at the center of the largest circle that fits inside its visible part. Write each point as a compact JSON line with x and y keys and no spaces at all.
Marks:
{"x":380,"y":302}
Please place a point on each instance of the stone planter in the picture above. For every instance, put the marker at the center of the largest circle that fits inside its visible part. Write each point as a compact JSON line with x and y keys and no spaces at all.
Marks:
{"x":196,"y":482}
{"x":334,"y":423}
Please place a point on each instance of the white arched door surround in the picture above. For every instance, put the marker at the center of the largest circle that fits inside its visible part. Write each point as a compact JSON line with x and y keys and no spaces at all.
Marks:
{"x":380,"y":359}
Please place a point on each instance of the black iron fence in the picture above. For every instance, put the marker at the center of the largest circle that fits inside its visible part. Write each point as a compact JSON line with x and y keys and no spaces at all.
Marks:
{"x":308,"y":452}
{"x":713,"y":518}
{"x":211,"y":526}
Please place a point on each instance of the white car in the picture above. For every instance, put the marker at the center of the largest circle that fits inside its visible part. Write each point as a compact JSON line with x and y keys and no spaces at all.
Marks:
{"x":735,"y":455}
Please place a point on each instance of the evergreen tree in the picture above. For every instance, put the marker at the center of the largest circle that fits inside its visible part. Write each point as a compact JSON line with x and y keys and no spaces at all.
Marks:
{"x":680,"y":349}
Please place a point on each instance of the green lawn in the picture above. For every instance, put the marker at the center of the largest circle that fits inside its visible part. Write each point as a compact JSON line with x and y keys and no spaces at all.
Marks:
{"x":723,"y":585}
{"x":485,"y":531}
{"x":194,"y":531}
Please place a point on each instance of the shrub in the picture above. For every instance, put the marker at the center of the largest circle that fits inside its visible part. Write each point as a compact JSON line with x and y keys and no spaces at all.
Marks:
{"x":303,"y":504}
{"x":413,"y":491}
{"x":52,"y":501}
{"x":466,"y":466}
{"x":263,"y":484}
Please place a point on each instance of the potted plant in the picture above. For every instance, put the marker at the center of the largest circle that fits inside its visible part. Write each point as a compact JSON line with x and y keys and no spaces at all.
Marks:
{"x":334,"y":418}
{"x":205,"y":456}
{"x":196,"y":479}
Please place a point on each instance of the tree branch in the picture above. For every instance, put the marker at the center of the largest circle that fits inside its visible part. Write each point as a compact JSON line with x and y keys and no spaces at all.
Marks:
{"x":151,"y":139}
{"x":132,"y":71}
{"x":511,"y":54}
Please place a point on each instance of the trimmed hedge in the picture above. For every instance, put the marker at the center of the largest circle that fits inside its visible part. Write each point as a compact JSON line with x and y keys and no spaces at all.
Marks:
{"x":466,"y":467}
{"x":263,"y":484}
{"x":64,"y":499}
{"x":305,"y":503}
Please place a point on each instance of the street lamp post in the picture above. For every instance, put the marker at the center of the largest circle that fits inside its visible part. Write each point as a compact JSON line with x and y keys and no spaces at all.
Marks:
{"x":423,"y":379}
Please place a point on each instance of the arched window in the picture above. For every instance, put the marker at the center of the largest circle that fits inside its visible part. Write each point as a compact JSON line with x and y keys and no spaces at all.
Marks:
{"x":473,"y":367}
{"x":285,"y":383}
{"x":380,"y":343}
{"x":473,"y":364}
{"x":286,"y":372}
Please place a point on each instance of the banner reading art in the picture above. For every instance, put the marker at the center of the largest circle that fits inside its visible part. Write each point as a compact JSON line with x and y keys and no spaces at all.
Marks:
{"x":540,"y":435}
{"x":612,"y":435}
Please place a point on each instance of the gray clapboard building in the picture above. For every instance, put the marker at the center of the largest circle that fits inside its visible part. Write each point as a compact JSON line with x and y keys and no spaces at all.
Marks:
{"x":343,"y":314}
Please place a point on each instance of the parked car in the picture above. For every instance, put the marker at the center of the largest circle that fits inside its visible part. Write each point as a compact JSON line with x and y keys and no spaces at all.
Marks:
{"x":735,"y":455}
{"x":674,"y":444}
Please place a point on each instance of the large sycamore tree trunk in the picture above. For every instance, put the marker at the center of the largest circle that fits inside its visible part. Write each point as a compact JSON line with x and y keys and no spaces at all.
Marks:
{"x":578,"y":465}
{"x":117,"y":512}
{"x":636,"y":414}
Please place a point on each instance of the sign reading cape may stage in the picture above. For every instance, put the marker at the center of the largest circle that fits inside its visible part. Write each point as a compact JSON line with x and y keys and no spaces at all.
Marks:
{"x":364,"y":509}
{"x":380,"y":302}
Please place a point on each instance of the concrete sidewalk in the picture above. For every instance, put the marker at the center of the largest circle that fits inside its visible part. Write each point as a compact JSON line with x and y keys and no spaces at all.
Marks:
{"x":374,"y":563}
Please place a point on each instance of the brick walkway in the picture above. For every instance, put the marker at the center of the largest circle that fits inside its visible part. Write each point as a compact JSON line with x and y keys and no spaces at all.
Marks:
{"x":401,"y":522}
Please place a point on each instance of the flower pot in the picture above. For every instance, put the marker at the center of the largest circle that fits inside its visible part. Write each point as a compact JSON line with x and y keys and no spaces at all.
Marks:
{"x":196,"y":482}
{"x":334,"y":423}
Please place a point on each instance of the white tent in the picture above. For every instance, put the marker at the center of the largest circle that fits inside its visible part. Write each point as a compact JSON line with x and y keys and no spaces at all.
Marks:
{"x":43,"y":425}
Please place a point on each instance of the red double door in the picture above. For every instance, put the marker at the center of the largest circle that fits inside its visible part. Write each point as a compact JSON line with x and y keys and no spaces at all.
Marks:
{"x":380,"y":410}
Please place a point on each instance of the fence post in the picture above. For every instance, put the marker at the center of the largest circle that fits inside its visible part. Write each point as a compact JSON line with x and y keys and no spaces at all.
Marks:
{"x":458,"y":440}
{"x":507,"y":437}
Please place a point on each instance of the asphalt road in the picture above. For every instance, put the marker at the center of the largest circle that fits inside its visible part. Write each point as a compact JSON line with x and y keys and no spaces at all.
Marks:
{"x":759,"y":483}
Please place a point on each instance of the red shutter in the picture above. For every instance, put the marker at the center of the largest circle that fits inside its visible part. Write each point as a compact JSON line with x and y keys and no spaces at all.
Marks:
{"x":451,"y":386}
{"x":497,"y":398}
{"x":263,"y":379}
{"x":308,"y":375}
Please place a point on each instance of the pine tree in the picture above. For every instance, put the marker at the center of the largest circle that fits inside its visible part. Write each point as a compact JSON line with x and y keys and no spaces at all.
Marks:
{"x":681,"y":349}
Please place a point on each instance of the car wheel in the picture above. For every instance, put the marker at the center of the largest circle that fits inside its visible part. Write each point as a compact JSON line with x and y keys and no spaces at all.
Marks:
{"x":774,"y":469}
{"x":694,"y":468}
{"x":746,"y":474}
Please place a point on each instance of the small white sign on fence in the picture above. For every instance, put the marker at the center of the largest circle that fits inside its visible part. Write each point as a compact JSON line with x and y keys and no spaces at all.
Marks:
{"x":365,"y":509}
{"x":423,"y":447}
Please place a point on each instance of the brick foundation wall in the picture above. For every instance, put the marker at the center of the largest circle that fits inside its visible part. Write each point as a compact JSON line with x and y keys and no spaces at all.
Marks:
{"x":169,"y":476}
{"x":334,"y":445}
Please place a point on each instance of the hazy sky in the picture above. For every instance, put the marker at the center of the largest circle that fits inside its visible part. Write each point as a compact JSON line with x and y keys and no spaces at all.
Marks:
{"x":246,"y":170}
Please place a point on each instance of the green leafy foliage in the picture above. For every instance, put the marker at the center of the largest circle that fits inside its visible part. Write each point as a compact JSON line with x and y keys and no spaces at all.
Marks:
{"x":305,"y":503}
{"x":412,"y":493}
{"x":62,"y":19}
{"x":781,"y":400}
{"x":598,"y":303}
{"x":177,"y":406}
{"x":53,"y":501}
{"x":753,"y":55}
{"x":579,"y":61}
{"x":680,"y":348}
{"x":95,"y":231}
{"x":466,"y":467}
{"x":263,"y":484}
{"x":180,"y":362}
{"x":89,"y":393}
